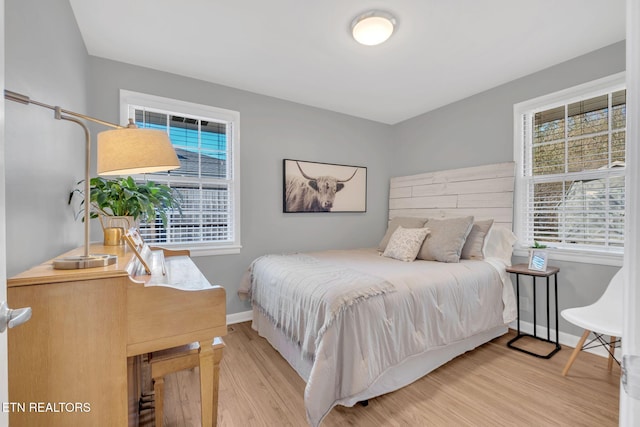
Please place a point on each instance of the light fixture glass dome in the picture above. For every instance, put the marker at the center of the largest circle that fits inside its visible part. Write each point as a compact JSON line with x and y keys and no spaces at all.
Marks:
{"x":373,"y":27}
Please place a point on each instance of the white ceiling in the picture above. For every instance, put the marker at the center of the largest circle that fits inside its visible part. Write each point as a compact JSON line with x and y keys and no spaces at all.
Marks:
{"x":302,"y":51}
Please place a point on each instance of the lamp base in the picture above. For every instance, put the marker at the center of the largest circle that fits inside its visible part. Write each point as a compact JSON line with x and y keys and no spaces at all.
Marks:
{"x":81,"y":261}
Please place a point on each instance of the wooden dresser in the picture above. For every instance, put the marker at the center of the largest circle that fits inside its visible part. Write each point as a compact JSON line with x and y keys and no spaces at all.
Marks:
{"x":69,"y":365}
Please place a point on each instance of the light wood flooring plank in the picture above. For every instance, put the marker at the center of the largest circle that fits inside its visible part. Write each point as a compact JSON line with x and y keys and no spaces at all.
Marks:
{"x":489,"y":386}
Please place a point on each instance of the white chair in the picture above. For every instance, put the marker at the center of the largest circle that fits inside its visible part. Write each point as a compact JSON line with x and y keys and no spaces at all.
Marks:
{"x":603,"y":317}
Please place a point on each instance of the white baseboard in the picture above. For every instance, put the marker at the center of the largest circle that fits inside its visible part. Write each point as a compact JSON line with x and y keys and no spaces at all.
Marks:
{"x":565,"y":338}
{"x":244,"y":316}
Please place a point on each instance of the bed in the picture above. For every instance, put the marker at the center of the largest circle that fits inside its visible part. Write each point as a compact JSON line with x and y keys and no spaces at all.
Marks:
{"x":356,"y":324}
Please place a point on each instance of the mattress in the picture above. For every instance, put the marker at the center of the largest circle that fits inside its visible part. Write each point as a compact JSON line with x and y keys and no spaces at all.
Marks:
{"x":404,"y":320}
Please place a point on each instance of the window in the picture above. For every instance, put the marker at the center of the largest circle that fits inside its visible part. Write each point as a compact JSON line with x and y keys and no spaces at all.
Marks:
{"x":207,"y":144}
{"x":570,"y":183}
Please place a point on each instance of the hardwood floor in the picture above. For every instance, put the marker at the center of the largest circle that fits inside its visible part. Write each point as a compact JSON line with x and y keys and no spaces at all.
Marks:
{"x":489,"y":386}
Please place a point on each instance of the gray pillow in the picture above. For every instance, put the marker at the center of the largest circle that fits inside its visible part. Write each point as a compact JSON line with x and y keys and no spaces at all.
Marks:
{"x":445,"y":241}
{"x":405,"y":222}
{"x":472,"y":248}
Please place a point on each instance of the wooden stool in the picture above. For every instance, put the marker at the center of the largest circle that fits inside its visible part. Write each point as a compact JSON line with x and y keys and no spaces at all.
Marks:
{"x":176,"y":359}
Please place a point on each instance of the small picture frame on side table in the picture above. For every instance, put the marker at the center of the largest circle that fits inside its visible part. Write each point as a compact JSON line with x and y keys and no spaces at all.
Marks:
{"x":537,"y":260}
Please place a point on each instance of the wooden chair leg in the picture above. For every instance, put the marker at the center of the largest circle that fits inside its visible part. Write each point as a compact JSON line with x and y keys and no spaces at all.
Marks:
{"x":576,"y":350}
{"x":218,"y":346}
{"x":158,"y":391}
{"x":210,"y":356}
{"x":612,"y":349}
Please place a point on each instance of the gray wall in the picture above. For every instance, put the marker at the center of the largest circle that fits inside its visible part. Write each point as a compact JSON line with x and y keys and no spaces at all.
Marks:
{"x":270,"y":130}
{"x":479,"y":130}
{"x":46,"y":60}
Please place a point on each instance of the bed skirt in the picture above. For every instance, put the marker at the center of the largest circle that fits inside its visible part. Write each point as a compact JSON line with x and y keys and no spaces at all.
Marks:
{"x":394,"y":378}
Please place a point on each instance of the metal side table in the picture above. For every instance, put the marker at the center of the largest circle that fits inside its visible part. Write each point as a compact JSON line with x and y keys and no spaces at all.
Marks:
{"x":522,"y":269}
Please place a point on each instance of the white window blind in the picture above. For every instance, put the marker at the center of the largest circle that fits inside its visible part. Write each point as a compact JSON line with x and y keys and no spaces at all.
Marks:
{"x":207,"y":181}
{"x":572,"y":174}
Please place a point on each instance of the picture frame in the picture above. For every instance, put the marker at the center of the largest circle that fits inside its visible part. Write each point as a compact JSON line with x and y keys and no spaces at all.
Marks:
{"x":323,"y":187}
{"x":538,"y":260}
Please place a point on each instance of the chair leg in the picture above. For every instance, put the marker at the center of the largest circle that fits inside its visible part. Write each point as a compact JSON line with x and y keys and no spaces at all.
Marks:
{"x":158,"y":391}
{"x":612,"y":349}
{"x":576,"y":350}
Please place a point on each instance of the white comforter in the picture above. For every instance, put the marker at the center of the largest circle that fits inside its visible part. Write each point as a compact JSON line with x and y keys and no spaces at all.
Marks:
{"x":432,"y":304}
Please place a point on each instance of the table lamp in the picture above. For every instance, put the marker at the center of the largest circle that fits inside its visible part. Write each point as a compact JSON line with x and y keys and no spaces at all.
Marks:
{"x":122,"y":150}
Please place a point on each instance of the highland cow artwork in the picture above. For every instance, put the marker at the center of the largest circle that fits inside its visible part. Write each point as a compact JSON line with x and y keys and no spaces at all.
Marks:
{"x":323,"y":187}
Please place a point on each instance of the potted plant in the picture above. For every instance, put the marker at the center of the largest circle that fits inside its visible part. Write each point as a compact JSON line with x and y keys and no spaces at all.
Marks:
{"x":538,"y":245}
{"x":113,"y":200}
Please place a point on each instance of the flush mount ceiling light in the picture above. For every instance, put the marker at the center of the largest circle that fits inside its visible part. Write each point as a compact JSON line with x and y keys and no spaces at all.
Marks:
{"x":373,"y":27}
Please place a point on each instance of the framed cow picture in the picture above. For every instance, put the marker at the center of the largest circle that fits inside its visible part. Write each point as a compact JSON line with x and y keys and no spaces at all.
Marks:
{"x":323,"y":187}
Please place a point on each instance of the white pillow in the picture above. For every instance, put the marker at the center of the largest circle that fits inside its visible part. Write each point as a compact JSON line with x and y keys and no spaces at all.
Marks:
{"x":405,"y":243}
{"x":499,"y":244}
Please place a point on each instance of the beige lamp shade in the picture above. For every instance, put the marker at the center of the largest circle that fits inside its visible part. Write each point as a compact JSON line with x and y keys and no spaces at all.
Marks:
{"x":131,"y":151}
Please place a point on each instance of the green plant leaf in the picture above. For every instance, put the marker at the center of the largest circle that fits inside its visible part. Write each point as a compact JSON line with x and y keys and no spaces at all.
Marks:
{"x":125,"y":197}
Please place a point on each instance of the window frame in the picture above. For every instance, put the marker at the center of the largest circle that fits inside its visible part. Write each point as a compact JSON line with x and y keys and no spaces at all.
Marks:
{"x":567,"y":96}
{"x":179,"y":107}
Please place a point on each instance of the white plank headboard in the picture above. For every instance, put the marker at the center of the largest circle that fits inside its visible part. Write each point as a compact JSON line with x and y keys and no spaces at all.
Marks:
{"x":482,"y":191}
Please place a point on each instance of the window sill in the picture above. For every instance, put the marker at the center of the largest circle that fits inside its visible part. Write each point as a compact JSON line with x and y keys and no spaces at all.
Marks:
{"x":584,"y":257}
{"x":208,"y":251}
{"x":199,"y":251}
